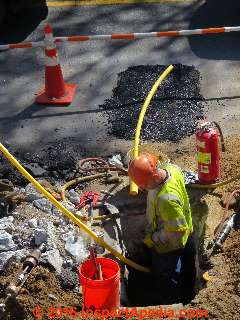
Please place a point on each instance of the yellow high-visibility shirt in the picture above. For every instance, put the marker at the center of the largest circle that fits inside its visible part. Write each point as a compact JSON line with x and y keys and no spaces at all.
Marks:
{"x":168,"y":209}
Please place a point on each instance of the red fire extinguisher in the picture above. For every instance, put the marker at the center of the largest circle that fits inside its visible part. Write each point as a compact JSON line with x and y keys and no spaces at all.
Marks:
{"x":208,"y":153}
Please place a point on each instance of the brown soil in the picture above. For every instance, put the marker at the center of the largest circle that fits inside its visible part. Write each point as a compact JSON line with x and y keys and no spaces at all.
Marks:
{"x":35,"y":295}
{"x":221,"y":295}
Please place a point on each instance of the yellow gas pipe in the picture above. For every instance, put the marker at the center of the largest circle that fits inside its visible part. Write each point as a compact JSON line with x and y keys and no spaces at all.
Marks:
{"x":68,"y":213}
{"x":133,"y":186}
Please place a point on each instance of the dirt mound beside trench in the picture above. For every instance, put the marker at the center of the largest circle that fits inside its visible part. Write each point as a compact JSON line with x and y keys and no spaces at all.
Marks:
{"x":221,"y":295}
{"x":40,"y":296}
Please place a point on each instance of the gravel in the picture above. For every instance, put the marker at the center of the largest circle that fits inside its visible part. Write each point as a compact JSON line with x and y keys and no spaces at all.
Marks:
{"x":173,"y":112}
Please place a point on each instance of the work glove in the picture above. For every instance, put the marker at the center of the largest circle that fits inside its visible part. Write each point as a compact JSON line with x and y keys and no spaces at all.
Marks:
{"x":164,"y":237}
{"x":148,"y":241}
{"x":156,"y":238}
{"x":160,"y":237}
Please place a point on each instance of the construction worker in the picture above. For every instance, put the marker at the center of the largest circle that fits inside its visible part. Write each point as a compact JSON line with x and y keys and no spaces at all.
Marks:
{"x":169,"y":222}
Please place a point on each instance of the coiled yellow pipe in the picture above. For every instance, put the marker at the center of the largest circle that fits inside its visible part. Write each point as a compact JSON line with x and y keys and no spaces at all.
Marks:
{"x":68,"y":213}
{"x":133,"y":186}
{"x":79,"y":180}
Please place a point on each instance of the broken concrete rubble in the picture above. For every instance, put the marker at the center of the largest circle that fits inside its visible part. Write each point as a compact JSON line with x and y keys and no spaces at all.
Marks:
{"x":35,"y":169}
{"x":76,"y":246}
{"x":15,"y":213}
{"x":40,"y":236}
{"x":33,"y":223}
{"x":53,"y":258}
{"x":6,"y":223}
{"x":31,"y":193}
{"x":68,"y":205}
{"x":43,"y":204}
{"x":6,"y":241}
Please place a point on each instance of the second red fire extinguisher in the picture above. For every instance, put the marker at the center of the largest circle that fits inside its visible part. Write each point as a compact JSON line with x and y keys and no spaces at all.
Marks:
{"x":208,"y":152}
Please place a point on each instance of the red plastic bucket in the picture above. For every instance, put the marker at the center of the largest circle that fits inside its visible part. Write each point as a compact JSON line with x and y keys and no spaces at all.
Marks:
{"x":100,"y":294}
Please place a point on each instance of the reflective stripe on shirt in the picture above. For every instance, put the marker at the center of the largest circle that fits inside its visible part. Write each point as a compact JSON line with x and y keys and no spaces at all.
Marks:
{"x":169,"y":196}
{"x":175,"y":223}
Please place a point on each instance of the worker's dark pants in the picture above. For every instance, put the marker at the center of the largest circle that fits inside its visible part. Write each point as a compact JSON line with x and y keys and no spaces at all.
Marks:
{"x":175,"y":287}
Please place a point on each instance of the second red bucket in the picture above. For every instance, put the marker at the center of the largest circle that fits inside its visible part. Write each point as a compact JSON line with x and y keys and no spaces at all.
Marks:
{"x":100,"y":294}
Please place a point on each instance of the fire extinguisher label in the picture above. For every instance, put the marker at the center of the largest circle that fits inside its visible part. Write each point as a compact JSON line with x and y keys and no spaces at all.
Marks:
{"x":204,"y":169}
{"x":204,"y":157}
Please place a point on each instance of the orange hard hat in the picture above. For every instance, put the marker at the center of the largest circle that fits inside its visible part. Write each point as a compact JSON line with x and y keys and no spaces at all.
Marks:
{"x":142,"y":169}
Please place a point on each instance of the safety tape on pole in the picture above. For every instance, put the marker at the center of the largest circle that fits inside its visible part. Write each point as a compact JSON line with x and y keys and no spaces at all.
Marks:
{"x":124,"y":36}
{"x":22,"y":45}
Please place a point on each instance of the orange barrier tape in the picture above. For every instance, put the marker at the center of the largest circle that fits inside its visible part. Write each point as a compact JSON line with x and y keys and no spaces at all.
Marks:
{"x":213,"y":30}
{"x":78,"y":38}
{"x":20,"y":45}
{"x":129,"y":36}
{"x":168,"y":34}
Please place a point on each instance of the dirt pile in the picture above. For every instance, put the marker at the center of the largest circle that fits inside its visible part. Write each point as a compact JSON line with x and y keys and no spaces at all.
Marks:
{"x":221,"y":295}
{"x":40,"y":297}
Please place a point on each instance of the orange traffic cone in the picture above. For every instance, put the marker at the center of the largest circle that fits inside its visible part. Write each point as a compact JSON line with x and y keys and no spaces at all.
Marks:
{"x":56,"y":91}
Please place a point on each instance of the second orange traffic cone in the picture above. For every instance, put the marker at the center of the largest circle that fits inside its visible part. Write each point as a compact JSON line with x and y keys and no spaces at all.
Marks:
{"x":55,"y":91}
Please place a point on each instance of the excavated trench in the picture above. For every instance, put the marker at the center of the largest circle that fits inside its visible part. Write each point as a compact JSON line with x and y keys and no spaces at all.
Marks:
{"x":141,"y":289}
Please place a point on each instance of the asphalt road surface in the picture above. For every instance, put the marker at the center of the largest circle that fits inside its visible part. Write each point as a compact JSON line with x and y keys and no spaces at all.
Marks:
{"x":94,"y":65}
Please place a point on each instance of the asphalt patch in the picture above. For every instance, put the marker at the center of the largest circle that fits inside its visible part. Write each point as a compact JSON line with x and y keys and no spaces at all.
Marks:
{"x":172,"y":113}
{"x":56,"y":161}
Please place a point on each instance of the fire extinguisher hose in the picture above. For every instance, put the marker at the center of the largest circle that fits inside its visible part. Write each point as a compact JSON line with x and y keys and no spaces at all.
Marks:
{"x":214,"y":185}
{"x":221,"y":135}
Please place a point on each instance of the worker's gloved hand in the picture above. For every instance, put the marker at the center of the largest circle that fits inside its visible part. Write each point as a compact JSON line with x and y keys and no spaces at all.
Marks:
{"x":156,"y":238}
{"x":160,"y":237}
{"x":164,"y":237}
{"x":148,"y":241}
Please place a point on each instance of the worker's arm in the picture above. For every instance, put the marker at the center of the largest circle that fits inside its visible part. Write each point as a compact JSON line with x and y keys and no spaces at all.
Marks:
{"x":170,"y":212}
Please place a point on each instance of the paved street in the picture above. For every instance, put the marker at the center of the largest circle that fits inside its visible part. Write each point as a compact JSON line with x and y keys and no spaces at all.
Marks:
{"x":94,"y":65}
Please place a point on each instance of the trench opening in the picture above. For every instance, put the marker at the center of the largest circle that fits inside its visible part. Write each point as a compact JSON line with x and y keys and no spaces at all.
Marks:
{"x":140,"y":289}
{"x":145,"y":289}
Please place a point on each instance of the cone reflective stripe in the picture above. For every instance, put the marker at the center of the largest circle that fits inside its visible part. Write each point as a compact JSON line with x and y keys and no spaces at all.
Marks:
{"x":51,"y":62}
{"x":56,"y":91}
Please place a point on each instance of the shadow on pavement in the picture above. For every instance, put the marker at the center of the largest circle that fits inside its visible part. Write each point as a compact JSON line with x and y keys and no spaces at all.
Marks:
{"x":22,"y":21}
{"x":216,"y":13}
